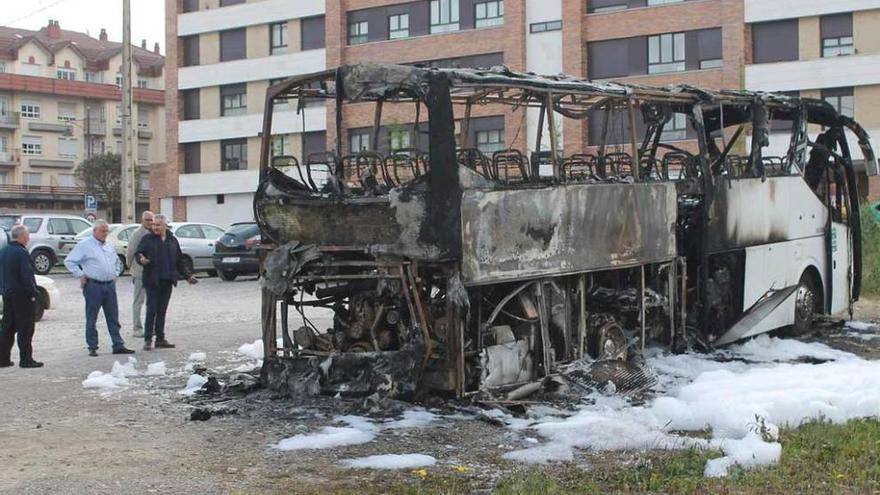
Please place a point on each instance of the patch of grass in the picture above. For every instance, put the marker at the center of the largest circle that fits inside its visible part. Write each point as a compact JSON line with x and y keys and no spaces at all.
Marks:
{"x":871,"y":253}
{"x":818,"y":457}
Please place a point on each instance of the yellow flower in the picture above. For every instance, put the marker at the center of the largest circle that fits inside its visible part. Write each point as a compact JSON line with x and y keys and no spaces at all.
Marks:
{"x":840,"y":476}
{"x":421,"y":473}
{"x":461,"y":469}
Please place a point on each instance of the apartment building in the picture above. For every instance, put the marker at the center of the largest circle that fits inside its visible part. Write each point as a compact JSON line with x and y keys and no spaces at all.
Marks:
{"x":60,"y":103}
{"x":224,"y":55}
{"x":828,"y":50}
{"x":716,"y":44}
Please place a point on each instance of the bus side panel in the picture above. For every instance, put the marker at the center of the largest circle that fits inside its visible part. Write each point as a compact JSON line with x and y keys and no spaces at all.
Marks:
{"x":841,"y":256}
{"x":779,"y":265}
{"x":751,"y":212}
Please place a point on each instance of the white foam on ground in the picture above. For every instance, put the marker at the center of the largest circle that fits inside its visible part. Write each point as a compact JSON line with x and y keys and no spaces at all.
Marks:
{"x":101,"y":380}
{"x":156,"y":369}
{"x":193,"y":384}
{"x":359,"y":431}
{"x":254,"y":350}
{"x":732,"y":399}
{"x":124,"y":370}
{"x":861,"y":326}
{"x":198,"y":357}
{"x":390,"y":461}
{"x":412,"y":418}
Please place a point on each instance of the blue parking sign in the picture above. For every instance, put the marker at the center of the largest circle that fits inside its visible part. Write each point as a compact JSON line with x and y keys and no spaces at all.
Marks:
{"x":91,"y":202}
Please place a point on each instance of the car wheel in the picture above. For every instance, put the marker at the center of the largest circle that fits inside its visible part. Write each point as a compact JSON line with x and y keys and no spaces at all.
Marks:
{"x":804,"y":306}
{"x":39,"y":307}
{"x":228,"y":275}
{"x":122,"y":266}
{"x":212,"y":273}
{"x":43,"y":261}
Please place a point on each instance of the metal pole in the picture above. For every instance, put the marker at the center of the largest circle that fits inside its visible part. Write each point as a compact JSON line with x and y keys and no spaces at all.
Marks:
{"x":642,"y":304}
{"x":129,"y":148}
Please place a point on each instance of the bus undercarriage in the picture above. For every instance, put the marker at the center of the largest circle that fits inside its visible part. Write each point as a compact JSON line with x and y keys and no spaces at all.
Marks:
{"x":443,"y":268}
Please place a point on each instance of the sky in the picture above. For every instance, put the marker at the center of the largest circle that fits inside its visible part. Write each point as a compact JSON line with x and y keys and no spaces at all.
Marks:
{"x":147,"y":17}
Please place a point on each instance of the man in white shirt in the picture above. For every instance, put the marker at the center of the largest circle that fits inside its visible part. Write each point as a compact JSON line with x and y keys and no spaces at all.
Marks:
{"x":95,"y":263}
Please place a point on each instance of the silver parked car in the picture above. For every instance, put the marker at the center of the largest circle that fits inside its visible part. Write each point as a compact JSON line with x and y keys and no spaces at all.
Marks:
{"x":197,"y":243}
{"x":53,"y":236}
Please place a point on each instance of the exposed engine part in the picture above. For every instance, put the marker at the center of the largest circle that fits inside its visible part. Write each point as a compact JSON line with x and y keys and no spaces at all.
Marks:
{"x":606,"y":338}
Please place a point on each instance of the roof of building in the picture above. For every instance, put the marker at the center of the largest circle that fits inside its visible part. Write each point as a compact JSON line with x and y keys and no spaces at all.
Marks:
{"x":95,"y":52}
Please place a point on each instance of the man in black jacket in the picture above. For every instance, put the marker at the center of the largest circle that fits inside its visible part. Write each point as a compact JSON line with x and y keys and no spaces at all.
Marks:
{"x":19,"y":289}
{"x":159,"y":253}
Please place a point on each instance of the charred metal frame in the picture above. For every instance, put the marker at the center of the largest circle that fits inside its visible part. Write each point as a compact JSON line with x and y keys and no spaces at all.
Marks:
{"x":443,"y":274}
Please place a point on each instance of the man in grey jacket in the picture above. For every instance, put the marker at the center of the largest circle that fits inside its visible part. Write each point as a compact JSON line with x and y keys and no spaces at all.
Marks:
{"x":137,"y":272}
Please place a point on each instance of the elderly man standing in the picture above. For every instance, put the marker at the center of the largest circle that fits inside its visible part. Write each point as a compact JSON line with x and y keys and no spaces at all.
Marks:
{"x":137,"y":272}
{"x":19,"y":297}
{"x":159,"y":253}
{"x":94,"y":262}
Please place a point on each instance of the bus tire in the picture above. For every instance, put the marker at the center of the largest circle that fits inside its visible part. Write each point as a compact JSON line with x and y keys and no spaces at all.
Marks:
{"x":804,"y":306}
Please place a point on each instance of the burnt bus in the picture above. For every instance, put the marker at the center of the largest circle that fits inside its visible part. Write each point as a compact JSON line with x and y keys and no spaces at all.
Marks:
{"x":419,"y":256}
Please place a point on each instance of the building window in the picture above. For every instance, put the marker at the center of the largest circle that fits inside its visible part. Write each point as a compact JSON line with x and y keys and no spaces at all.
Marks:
{"x":599,"y":6}
{"x":143,"y":153}
{"x":490,"y":141}
{"x":93,"y":77}
{"x":675,"y":129}
{"x":233,"y":44}
{"x":2,"y":67}
{"x":192,"y":158}
{"x":666,"y":53}
{"x":837,"y":35}
{"x":32,"y":179}
{"x":398,"y":26}
{"x":278,"y":38}
{"x":32,"y":145}
{"x":142,"y":83}
{"x":233,"y":98}
{"x":487,"y":14}
{"x":543,"y":27}
{"x":312,"y":36}
{"x":66,"y":74}
{"x":359,"y":141}
{"x":68,"y":148}
{"x":775,"y":41}
{"x":281,"y":145}
{"x":119,"y":80}
{"x":444,"y":16}
{"x":358,"y":32}
{"x":66,"y":111}
{"x":233,"y":154}
{"x":398,"y":140}
{"x":190,"y":50}
{"x":66,"y":180}
{"x":190,"y":6}
{"x":190,"y":98}
{"x":841,"y":99}
{"x":30,"y":110}
{"x":709,"y":48}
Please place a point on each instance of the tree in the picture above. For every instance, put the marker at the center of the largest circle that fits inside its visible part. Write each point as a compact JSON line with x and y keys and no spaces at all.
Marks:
{"x":102,"y":175}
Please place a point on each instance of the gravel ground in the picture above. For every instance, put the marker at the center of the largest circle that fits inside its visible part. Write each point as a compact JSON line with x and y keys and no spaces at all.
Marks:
{"x":58,"y":437}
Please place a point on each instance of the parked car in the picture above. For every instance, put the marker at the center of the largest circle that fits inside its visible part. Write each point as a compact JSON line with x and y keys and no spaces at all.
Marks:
{"x":118,"y":238}
{"x":47,"y":291}
{"x":52,"y":236}
{"x":197,"y":244}
{"x":236,"y":251}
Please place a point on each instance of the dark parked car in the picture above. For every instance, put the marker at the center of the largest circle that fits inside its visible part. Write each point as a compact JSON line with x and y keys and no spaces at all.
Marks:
{"x":235,"y":252}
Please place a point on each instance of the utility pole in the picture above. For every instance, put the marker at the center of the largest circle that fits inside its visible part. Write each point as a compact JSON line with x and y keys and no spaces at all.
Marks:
{"x":129,"y":131}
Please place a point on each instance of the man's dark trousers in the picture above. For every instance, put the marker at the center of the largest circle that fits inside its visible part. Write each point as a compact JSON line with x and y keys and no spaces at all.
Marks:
{"x":102,"y":295}
{"x":18,"y":318}
{"x":157,"y":306}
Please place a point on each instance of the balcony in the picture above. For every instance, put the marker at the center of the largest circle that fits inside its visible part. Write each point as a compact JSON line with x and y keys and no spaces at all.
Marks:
{"x":14,"y":191}
{"x":9,"y":158}
{"x":9,"y":120}
{"x":95,"y":127}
